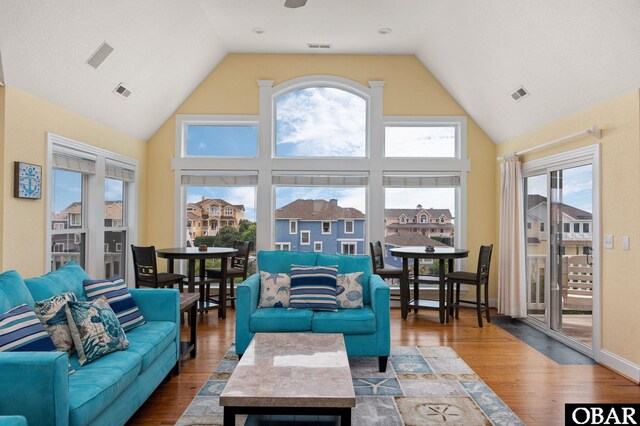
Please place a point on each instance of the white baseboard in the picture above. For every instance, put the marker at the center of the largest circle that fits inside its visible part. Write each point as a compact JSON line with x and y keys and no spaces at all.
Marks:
{"x":620,"y":365}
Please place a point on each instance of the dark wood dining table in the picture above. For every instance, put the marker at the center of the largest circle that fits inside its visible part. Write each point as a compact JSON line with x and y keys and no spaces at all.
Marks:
{"x":416,"y":253}
{"x":191,"y":254}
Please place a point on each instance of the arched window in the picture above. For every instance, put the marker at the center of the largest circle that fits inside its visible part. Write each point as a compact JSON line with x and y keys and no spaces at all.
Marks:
{"x":320,"y":122}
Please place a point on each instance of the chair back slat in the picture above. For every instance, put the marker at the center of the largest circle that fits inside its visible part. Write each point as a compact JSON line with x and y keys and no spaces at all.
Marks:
{"x":144,"y":263}
{"x":377,"y":255}
{"x":241,"y":258}
{"x":484,"y":263}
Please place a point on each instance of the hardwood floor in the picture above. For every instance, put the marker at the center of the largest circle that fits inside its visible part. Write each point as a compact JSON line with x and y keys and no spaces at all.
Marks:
{"x":532,"y":385}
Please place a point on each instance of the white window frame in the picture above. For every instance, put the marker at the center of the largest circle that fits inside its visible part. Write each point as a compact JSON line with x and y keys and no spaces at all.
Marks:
{"x":118,"y":247}
{"x":353,"y":244}
{"x":308,"y":234}
{"x":282,"y":246}
{"x":353,"y":227}
{"x":75,"y":219}
{"x":293,"y":227}
{"x":373,"y":165}
{"x":77,"y":238}
{"x":93,"y":200}
{"x":439,"y":121}
{"x":58,"y":226}
{"x":58,"y":245}
{"x":228,"y":211}
{"x":322,"y":227}
{"x":317,"y":244}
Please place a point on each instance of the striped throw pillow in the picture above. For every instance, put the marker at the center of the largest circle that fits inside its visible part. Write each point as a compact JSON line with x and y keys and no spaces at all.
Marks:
{"x":21,"y":330}
{"x":117,"y":294}
{"x":313,"y":287}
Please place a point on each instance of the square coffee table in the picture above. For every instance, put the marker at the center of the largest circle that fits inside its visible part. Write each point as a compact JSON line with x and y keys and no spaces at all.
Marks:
{"x":293,"y":374}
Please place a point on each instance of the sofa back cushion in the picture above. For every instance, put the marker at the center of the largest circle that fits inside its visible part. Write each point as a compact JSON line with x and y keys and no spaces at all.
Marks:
{"x":68,"y":277}
{"x":280,"y":261}
{"x":348,"y":263}
{"x":13,"y":291}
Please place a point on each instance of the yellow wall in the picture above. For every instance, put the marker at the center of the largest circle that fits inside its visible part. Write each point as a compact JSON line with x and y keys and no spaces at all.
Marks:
{"x":409,"y":89}
{"x":27,"y":120}
{"x":2,"y":108}
{"x":620,"y":203}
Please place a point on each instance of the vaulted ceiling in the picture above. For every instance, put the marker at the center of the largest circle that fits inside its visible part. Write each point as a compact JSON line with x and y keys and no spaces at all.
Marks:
{"x":568,"y":54}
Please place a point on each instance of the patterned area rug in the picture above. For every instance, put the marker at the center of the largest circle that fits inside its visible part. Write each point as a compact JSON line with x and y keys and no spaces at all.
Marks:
{"x":422,"y":386}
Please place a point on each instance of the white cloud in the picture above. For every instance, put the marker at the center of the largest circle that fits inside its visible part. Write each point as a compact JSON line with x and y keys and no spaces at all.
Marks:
{"x":420,"y":141}
{"x":321,"y":122}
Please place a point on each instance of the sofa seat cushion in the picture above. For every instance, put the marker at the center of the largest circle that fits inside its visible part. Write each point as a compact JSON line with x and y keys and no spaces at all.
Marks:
{"x":95,"y":386}
{"x":345,"y":321}
{"x":274,"y":320}
{"x":151,"y":339}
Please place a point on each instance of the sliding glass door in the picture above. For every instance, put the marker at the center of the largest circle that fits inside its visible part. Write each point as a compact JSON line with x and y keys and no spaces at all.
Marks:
{"x":560,"y":259}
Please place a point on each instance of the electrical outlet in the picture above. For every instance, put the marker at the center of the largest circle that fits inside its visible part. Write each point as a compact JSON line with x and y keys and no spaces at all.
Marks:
{"x":608,"y":241}
{"x":625,"y":242}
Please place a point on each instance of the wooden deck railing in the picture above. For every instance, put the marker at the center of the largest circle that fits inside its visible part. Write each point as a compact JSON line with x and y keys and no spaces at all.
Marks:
{"x":577,"y":283}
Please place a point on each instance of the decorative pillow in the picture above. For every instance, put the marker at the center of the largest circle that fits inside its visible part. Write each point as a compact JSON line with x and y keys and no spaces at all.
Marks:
{"x":274,"y":290}
{"x":117,"y":294}
{"x":21,"y":330}
{"x":349,"y":290}
{"x":54,"y":318}
{"x":313,"y":287}
{"x":95,"y":329}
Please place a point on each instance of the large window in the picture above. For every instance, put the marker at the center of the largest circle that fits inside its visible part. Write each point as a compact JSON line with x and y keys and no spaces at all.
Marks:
{"x":326,"y":158}
{"x":91,"y":208}
{"x":234,"y":197}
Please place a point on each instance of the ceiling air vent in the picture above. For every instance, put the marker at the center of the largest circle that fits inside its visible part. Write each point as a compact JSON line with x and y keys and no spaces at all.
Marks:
{"x":519,"y":93}
{"x":100,"y":55}
{"x":319,"y":45}
{"x":122,"y":91}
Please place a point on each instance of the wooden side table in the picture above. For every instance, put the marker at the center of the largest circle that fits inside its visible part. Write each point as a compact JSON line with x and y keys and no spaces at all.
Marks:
{"x":189,"y":304}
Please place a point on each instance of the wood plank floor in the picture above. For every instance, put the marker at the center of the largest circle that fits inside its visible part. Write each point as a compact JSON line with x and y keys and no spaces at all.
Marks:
{"x":535,"y":387}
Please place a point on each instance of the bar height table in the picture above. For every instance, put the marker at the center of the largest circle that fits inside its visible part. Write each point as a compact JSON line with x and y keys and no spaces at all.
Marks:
{"x":191,"y":254}
{"x":416,"y":253}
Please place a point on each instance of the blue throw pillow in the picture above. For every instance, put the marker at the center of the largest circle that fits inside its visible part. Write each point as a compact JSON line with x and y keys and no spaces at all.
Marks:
{"x":313,"y":287}
{"x":95,"y":329}
{"x":117,"y":294}
{"x":21,"y":330}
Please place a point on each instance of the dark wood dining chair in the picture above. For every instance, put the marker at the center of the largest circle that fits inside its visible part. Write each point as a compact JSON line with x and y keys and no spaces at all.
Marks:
{"x":237,"y":268}
{"x":146,"y":270}
{"x":379,"y":268}
{"x":478,"y":279}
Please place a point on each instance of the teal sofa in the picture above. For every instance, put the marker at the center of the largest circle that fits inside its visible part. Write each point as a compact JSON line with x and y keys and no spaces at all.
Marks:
{"x":366,"y":331}
{"x":107,"y":391}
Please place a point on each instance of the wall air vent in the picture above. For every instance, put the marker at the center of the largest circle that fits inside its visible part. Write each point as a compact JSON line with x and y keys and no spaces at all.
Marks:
{"x":519,"y":93}
{"x":121,"y":90}
{"x":319,"y":45}
{"x":100,"y":55}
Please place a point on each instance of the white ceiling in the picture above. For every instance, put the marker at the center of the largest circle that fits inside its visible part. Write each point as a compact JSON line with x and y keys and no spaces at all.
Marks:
{"x":569,"y":54}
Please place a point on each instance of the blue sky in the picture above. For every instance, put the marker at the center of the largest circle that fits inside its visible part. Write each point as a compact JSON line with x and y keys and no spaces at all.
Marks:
{"x":577,"y":187}
{"x":222,"y":141}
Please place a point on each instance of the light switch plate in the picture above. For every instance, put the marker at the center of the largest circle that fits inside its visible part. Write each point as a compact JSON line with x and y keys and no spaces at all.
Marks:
{"x":625,"y":242}
{"x":608,"y":241}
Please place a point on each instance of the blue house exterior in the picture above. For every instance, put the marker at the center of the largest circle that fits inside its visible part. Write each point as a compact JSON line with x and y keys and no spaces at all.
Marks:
{"x":321,"y":226}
